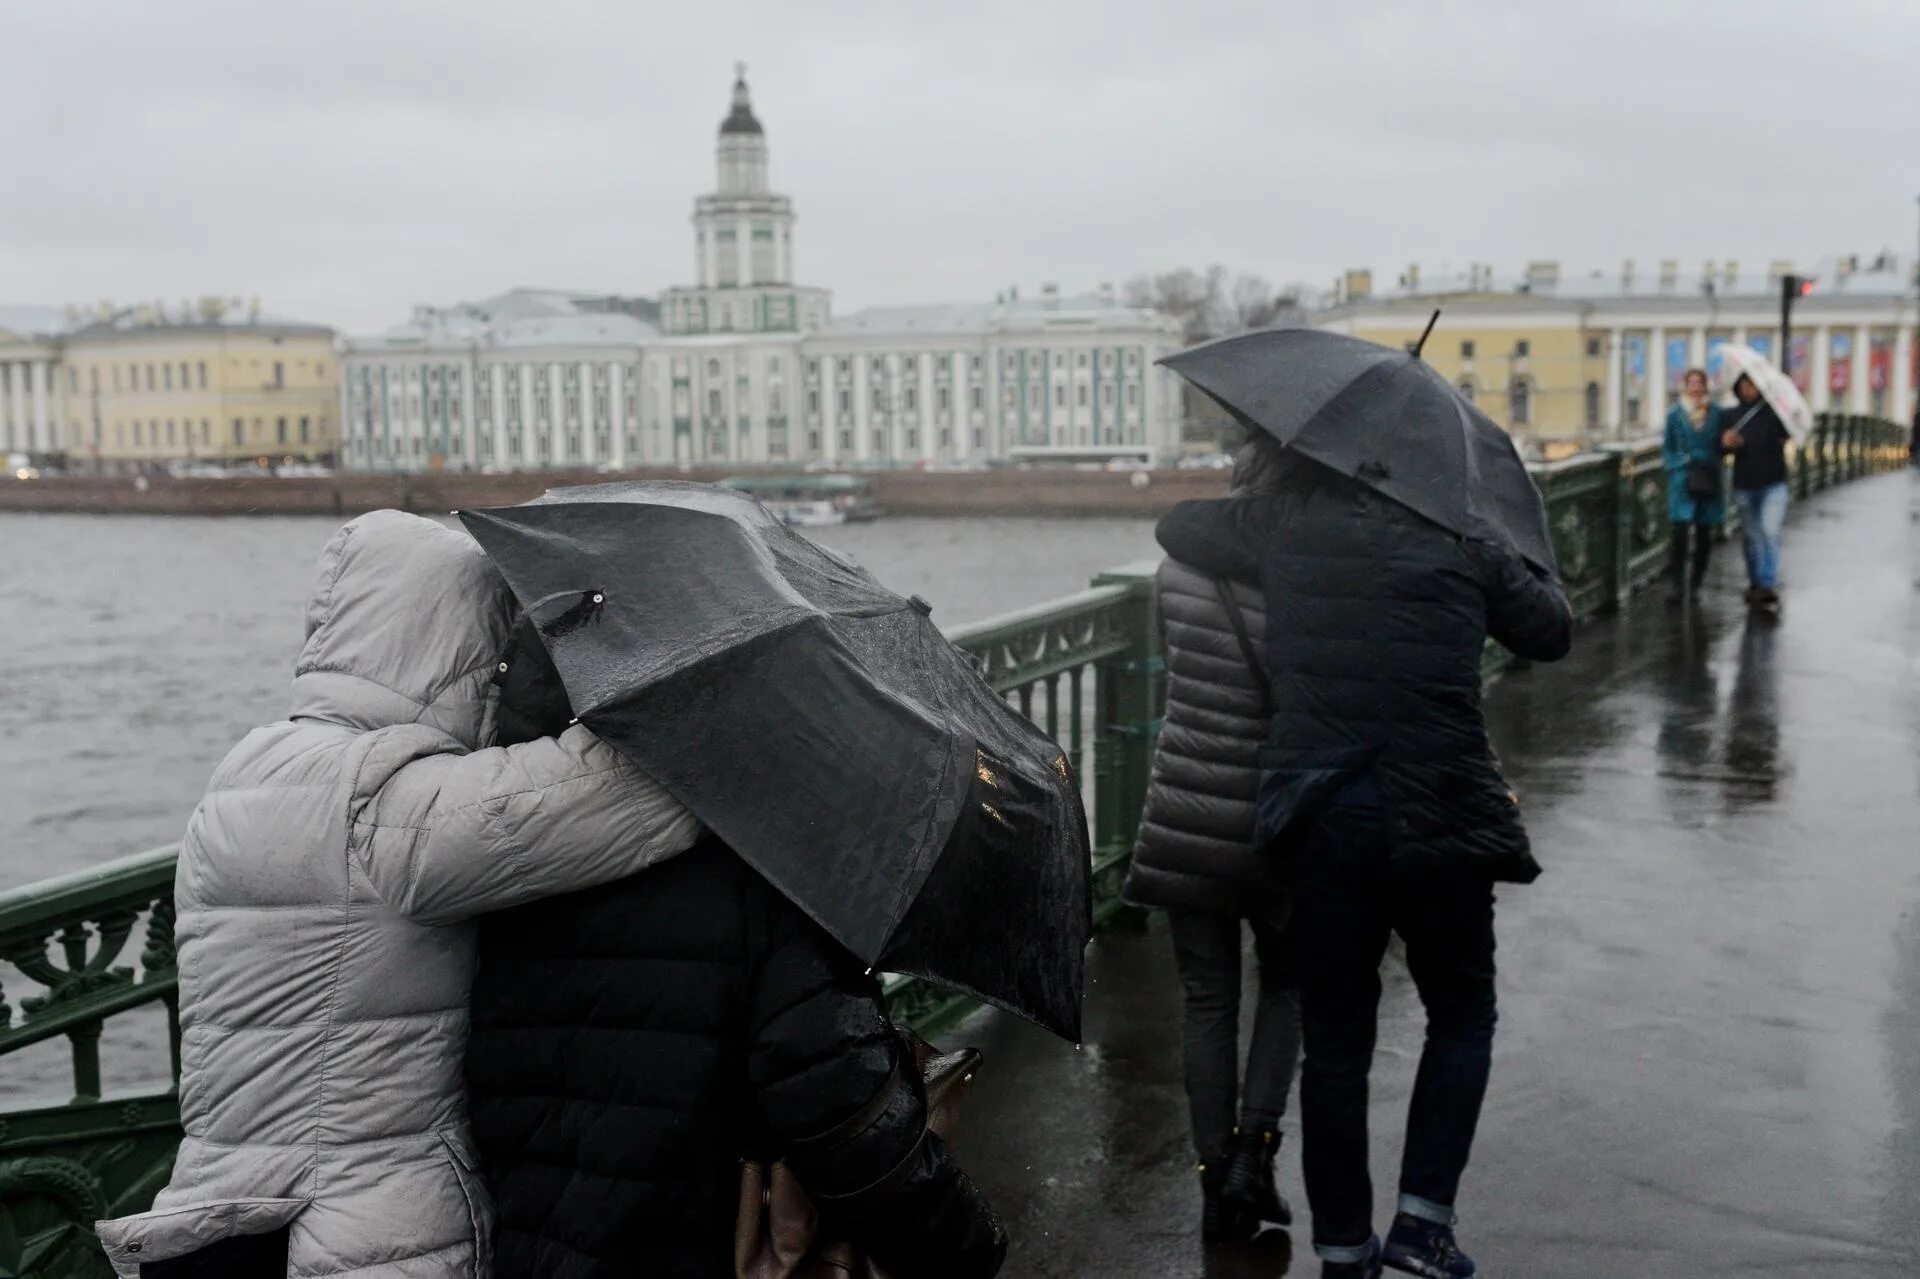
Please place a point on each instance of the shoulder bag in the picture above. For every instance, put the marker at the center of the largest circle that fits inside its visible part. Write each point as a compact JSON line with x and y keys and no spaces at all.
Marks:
{"x":777,"y":1232}
{"x":1255,"y":667}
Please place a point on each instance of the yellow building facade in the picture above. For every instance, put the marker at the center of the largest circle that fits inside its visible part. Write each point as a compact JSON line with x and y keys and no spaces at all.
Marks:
{"x":1532,"y":365}
{"x":1568,"y":363}
{"x":214,"y":384}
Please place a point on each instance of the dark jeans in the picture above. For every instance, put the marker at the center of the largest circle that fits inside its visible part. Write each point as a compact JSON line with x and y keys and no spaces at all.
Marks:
{"x":1698,"y":538}
{"x":1348,"y":902}
{"x":1207,"y":949}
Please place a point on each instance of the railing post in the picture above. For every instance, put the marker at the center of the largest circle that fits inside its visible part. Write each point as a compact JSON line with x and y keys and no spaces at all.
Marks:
{"x":1626,"y":509}
{"x":1129,"y":699}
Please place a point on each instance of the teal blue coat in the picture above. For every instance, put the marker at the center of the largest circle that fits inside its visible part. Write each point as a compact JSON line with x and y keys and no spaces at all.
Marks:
{"x":1684,"y":446}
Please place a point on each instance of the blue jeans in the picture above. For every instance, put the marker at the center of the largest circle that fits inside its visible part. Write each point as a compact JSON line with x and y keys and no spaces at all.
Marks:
{"x":1348,"y":900}
{"x":1763,"y":518}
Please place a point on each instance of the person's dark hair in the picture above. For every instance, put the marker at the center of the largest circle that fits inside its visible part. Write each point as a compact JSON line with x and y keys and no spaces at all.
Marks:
{"x":1749,"y":383}
{"x":1691,"y":374}
{"x":1260,"y":467}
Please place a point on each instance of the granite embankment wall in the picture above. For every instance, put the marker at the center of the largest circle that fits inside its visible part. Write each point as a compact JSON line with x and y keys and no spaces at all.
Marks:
{"x":950,"y":493}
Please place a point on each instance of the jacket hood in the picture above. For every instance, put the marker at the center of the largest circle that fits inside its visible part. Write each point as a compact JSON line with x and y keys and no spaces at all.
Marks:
{"x":405,"y":626}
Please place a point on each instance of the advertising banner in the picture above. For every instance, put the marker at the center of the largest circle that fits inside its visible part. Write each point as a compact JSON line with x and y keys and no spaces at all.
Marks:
{"x":1676,"y":362}
{"x":1840,"y":363}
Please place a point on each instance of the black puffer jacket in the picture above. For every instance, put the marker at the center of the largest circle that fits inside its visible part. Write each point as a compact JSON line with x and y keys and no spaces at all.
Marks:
{"x":632,"y":1042}
{"x":1376,"y":620}
{"x":1196,"y":849}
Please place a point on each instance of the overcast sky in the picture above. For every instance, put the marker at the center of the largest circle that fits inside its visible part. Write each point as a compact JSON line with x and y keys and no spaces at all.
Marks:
{"x":343,"y":161}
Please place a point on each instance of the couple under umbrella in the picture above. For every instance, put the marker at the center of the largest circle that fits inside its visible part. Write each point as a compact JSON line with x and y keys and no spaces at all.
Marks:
{"x":1324,"y":774}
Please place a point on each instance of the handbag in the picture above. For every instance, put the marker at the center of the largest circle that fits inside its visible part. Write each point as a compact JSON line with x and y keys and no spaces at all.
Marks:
{"x":1704,"y":480}
{"x":777,"y":1231}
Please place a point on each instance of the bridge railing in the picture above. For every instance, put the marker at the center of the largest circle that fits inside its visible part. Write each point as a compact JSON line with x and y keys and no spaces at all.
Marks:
{"x":1087,"y":668}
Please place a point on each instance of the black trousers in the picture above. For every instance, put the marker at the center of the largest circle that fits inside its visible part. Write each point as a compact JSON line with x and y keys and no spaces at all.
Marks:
{"x":1698,"y":538}
{"x":1347,"y":903}
{"x":1207,"y":948}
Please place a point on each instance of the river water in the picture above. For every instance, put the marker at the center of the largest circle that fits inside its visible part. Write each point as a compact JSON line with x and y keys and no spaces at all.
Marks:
{"x":138,"y":649}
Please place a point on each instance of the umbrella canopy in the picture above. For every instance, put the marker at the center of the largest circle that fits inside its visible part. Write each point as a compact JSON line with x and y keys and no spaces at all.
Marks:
{"x":1775,"y":387}
{"x":1384,"y":417}
{"x":819,"y":724}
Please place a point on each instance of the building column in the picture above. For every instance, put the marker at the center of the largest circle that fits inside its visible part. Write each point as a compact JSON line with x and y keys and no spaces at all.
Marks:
{"x":7,"y":416}
{"x":1656,"y":405}
{"x":39,"y":433}
{"x":1820,"y":363}
{"x":1697,"y":349}
{"x":743,"y":254}
{"x":1615,"y":401}
{"x":1900,"y":383}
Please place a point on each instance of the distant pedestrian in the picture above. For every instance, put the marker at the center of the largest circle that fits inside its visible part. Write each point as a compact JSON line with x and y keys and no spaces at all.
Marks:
{"x":1378,"y":783}
{"x":1696,"y":484}
{"x":1757,"y":438}
{"x":1197,"y":859}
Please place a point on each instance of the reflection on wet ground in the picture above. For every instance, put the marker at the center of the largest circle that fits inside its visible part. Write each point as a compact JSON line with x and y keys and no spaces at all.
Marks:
{"x":1709,"y":1055}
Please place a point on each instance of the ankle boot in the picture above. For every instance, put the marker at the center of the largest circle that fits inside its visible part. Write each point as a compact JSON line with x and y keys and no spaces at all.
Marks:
{"x":1223,"y":1220}
{"x":1249,"y":1179}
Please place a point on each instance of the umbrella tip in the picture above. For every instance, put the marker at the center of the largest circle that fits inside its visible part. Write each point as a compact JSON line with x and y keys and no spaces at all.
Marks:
{"x":1421,"y":345}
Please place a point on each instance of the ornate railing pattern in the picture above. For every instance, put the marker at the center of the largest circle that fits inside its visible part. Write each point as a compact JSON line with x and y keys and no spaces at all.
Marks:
{"x":1087,"y":668}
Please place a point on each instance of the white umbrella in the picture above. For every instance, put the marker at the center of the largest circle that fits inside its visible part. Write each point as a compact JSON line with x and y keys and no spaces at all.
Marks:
{"x":1775,"y":387}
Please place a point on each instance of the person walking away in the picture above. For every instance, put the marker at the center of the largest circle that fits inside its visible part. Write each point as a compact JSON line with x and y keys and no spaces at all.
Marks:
{"x":1757,"y":438}
{"x":325,"y":894}
{"x":632,"y":1042}
{"x":1197,"y":860}
{"x":1696,"y":484}
{"x":1379,"y":783}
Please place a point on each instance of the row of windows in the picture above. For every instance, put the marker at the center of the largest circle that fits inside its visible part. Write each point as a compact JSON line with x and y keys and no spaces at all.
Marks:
{"x":159,"y":376}
{"x":168,"y":432}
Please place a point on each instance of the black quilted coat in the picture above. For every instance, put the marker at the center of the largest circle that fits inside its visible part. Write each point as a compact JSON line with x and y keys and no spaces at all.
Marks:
{"x":1196,"y":849}
{"x":1376,"y":621}
{"x":630,"y":1043}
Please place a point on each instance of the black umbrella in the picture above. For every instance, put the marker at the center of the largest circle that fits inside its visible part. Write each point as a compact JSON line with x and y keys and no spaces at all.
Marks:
{"x":1385,"y":417}
{"x":820,"y":725}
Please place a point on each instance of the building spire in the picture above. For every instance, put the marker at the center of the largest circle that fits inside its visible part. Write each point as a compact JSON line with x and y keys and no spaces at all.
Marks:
{"x":740,"y":118}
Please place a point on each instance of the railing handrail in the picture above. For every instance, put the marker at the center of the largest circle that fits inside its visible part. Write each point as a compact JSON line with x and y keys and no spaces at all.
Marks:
{"x":1005,"y":625}
{"x":32,"y":906}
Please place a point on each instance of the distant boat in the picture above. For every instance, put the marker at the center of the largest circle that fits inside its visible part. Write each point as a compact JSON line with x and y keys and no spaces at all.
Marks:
{"x":810,"y":501}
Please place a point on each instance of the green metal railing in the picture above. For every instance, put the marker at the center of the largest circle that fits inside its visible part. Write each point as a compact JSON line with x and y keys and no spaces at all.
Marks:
{"x":1087,"y":668}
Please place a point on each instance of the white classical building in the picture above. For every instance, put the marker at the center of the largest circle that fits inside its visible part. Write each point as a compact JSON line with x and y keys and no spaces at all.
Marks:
{"x":32,"y":386}
{"x":746,"y":366}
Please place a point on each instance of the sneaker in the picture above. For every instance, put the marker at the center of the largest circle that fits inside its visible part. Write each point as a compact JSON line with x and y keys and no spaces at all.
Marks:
{"x":1426,"y":1248}
{"x":1368,"y":1269}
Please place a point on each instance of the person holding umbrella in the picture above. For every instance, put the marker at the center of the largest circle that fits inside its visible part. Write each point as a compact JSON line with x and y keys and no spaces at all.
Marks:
{"x":874,"y":805}
{"x":1768,"y":413}
{"x":1407,"y":532}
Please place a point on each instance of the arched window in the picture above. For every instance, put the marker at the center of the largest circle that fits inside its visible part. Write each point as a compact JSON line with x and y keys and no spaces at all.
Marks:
{"x":1466,"y":389}
{"x":1593,"y":405}
{"x":1520,"y":402}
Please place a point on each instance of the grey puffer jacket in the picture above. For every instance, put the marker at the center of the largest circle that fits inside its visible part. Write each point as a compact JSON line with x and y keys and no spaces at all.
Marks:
{"x":325,"y":892}
{"x":1196,"y":848}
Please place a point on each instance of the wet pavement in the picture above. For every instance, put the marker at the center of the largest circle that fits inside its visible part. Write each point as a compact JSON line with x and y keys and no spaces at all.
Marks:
{"x":1709,"y":1052}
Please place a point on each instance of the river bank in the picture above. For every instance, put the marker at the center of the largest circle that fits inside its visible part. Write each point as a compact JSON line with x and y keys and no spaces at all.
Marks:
{"x":917,"y":493}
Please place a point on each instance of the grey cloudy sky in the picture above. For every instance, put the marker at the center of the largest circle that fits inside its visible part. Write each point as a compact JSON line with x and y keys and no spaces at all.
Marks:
{"x":346,"y":160}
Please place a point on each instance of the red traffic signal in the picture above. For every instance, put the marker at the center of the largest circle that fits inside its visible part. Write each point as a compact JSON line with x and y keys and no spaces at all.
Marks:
{"x":1806,"y":287}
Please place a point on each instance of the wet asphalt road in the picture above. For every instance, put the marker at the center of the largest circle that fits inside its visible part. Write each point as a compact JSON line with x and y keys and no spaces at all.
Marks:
{"x":1709,"y":1052}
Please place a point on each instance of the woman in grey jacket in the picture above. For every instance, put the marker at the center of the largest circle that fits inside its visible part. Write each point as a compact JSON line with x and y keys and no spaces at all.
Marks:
{"x":1196,"y":859}
{"x":325,"y":897}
